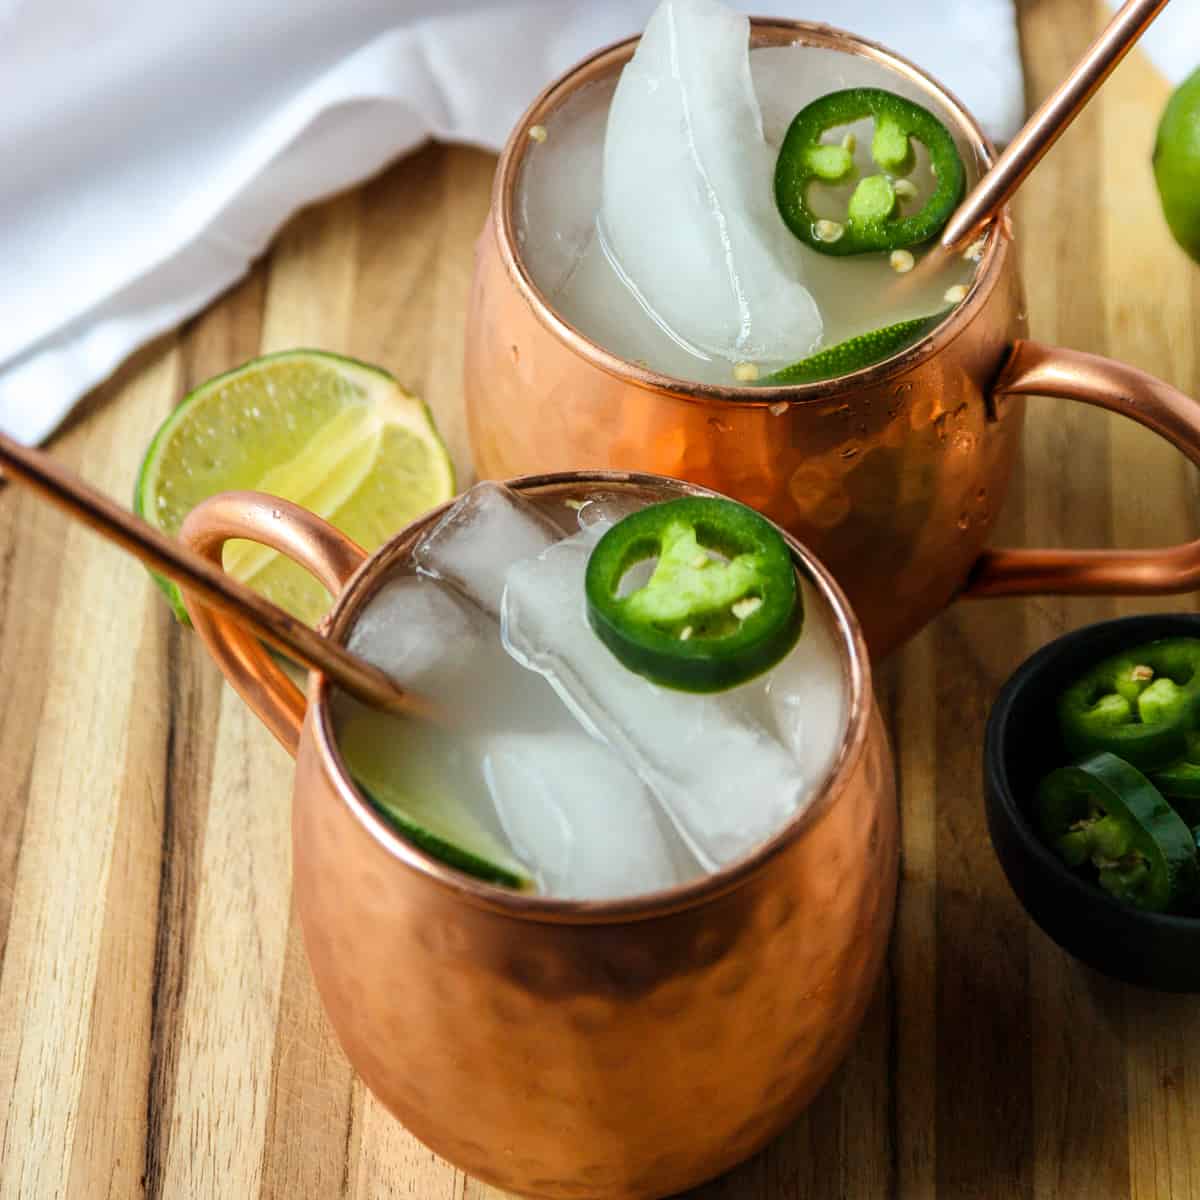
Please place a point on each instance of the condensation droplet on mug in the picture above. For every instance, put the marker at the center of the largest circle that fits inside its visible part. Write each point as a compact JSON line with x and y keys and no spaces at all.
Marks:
{"x":921,"y":411}
{"x":981,"y":495}
{"x":963,"y":520}
{"x":515,"y":352}
{"x":778,"y":409}
{"x":849,"y":451}
{"x":719,"y":426}
{"x":941,"y":427}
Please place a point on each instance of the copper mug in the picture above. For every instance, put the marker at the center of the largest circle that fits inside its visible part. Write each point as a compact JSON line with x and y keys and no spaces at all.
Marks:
{"x":892,"y":475}
{"x":618,"y":1050}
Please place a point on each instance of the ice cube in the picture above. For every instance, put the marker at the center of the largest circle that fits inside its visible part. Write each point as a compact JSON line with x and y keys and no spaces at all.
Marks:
{"x":426,"y":772}
{"x":471,"y":547}
{"x":431,"y":639}
{"x":573,"y":811}
{"x":688,"y":213}
{"x":723,"y":777}
{"x":417,"y":631}
{"x":806,"y":692}
{"x":607,"y":508}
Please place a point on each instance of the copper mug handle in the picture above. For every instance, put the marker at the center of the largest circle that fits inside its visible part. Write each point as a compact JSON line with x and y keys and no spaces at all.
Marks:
{"x":298,"y":534}
{"x":1040,"y":370}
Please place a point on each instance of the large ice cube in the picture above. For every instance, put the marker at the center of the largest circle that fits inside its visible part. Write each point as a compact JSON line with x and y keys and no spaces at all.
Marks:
{"x":723,"y":777}
{"x":688,"y":210}
{"x":418,"y":632}
{"x":425,"y":773}
{"x":471,"y":547}
{"x":429,"y":638}
{"x":806,"y":692}
{"x":577,"y":815}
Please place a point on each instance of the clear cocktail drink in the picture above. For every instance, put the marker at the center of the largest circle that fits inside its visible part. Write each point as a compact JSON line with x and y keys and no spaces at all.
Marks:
{"x":647,"y":217}
{"x":560,"y":769}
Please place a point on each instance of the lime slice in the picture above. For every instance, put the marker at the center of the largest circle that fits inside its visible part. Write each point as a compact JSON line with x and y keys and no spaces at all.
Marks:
{"x":420,"y":801}
{"x":339,"y":437}
{"x":854,"y":353}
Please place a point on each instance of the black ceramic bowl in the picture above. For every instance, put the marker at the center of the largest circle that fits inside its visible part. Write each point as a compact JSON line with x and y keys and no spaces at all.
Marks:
{"x":1021,"y":745}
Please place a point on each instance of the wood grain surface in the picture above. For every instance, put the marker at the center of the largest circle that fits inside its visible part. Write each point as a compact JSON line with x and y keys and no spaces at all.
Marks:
{"x":159,"y":1031}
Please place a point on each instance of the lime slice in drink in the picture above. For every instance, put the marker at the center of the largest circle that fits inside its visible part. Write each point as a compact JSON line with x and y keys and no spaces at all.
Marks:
{"x":339,"y":437}
{"x":408,"y":789}
{"x":854,"y":353}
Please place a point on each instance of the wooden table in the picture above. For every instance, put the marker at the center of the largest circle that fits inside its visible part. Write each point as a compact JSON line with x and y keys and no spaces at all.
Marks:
{"x":159,"y":1031}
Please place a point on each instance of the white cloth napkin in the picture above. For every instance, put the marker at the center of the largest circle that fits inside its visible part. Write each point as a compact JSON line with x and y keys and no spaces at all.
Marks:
{"x":151,"y":150}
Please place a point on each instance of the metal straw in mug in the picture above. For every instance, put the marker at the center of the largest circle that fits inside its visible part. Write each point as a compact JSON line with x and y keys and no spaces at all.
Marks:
{"x":1049,"y":122}
{"x":195,"y":574}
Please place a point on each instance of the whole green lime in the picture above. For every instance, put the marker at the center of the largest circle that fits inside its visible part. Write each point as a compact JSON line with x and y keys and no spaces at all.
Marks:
{"x":1177,"y":164}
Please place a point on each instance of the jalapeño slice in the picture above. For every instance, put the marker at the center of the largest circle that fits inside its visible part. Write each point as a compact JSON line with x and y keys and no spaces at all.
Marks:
{"x":873,"y":220}
{"x":1140,"y":704}
{"x":1179,"y":781}
{"x":1106,"y":812}
{"x":720,"y":607}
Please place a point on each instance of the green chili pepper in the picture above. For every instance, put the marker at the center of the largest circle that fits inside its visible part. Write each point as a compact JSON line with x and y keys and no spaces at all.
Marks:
{"x":1106,"y":812}
{"x":721,"y":606}
{"x":1140,"y":704}
{"x":872,"y":221}
{"x":1179,"y":781}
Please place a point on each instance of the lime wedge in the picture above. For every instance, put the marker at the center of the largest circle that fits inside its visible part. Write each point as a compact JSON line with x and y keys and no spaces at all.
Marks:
{"x":854,"y":353}
{"x":339,"y":437}
{"x":419,"y":800}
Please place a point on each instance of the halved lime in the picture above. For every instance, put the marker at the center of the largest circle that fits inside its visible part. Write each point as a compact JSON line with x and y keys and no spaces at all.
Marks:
{"x":397,"y":771}
{"x":337,"y":436}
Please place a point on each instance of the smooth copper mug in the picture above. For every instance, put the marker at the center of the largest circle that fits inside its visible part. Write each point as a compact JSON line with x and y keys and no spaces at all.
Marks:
{"x":892,"y":475}
{"x":616,"y":1050}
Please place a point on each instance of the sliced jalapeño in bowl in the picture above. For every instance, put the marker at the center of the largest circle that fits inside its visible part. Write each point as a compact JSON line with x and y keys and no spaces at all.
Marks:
{"x":1179,"y":781}
{"x":1105,"y":812}
{"x":1140,"y":704}
{"x":720,"y":606}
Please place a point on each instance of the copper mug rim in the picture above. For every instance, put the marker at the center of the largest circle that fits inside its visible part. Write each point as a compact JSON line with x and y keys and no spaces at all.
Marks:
{"x":370,"y":575}
{"x":765,"y":31}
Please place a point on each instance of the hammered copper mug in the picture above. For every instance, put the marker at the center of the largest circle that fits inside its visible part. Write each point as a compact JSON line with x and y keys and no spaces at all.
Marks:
{"x":617,"y":1050}
{"x":892,"y":475}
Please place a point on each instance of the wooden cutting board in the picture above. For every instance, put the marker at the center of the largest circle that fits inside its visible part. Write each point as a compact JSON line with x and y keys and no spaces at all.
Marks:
{"x":159,"y":1031}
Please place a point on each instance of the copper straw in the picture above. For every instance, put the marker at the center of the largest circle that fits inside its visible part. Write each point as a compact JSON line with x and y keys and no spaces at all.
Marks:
{"x":190,"y":571}
{"x":1046,"y":125}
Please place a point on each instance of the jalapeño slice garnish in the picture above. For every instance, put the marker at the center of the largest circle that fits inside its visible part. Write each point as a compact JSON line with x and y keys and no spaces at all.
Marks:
{"x":1104,"y":812}
{"x":873,"y":217}
{"x":721,"y":606}
{"x":1140,"y":704}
